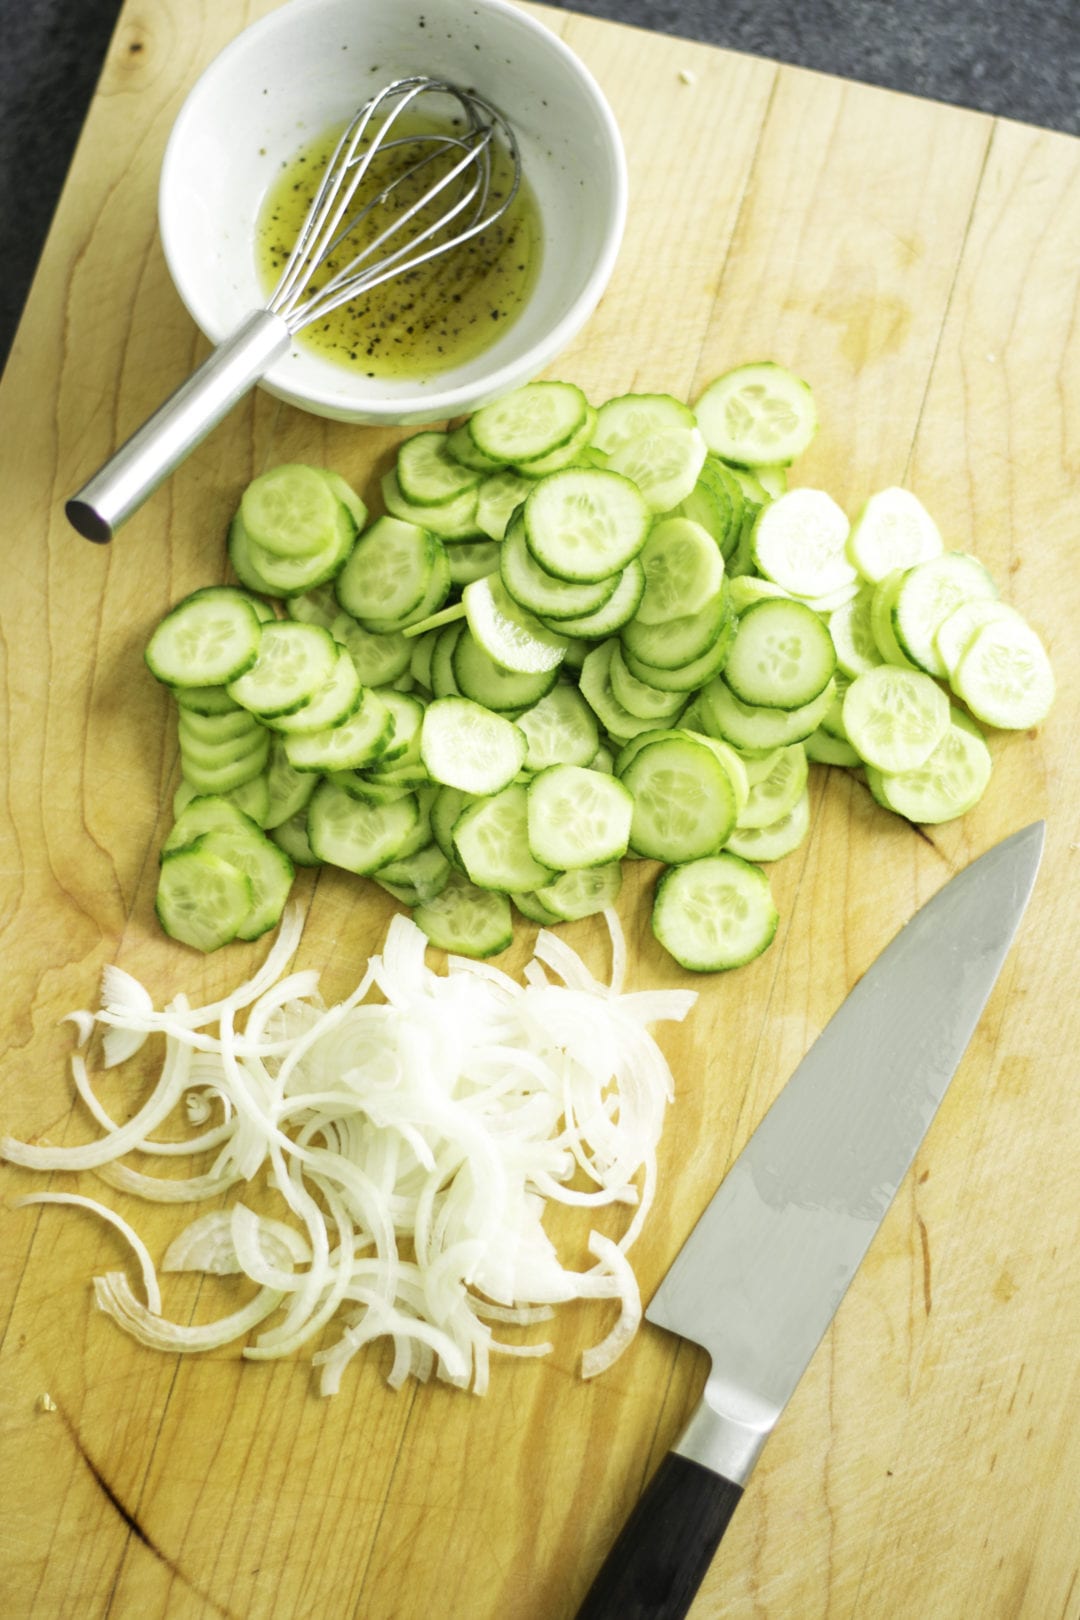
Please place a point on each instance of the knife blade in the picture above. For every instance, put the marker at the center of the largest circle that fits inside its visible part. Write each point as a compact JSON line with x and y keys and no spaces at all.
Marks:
{"x":761,"y":1275}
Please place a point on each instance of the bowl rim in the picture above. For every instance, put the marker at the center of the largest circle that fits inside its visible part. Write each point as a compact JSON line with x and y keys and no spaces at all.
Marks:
{"x":430,"y":402}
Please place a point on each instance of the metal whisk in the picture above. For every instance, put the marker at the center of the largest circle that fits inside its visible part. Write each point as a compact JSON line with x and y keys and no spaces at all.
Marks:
{"x":457,"y":205}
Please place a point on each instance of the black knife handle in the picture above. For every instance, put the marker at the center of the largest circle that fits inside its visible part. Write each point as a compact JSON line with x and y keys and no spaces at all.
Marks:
{"x":665,"y":1546}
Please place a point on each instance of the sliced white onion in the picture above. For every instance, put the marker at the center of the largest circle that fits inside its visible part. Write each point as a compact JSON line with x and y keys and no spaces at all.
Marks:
{"x":146,"y":1264}
{"x":417,"y":1141}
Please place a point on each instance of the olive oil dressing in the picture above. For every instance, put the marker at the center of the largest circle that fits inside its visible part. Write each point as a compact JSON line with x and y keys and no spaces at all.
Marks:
{"x":441,"y":313}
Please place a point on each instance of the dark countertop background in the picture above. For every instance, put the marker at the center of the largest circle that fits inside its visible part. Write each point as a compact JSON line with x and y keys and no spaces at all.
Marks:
{"x":1015,"y":58}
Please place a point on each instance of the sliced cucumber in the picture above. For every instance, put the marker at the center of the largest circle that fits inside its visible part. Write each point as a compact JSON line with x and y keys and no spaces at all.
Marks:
{"x":715,"y":913}
{"x":775,"y":795}
{"x":209,"y":639}
{"x":752,"y":729}
{"x":956,"y":632}
{"x":664,"y":466}
{"x":893,"y":530}
{"x":632,"y":416}
{"x":852,"y":632}
{"x":498,"y":499}
{"x":472,"y":559}
{"x":531,"y":421}
{"x":295,"y":662}
{"x":618,"y":610}
{"x":334,"y":703}
{"x":688,"y":677}
{"x":266,"y":866}
{"x":452,"y":520}
{"x":559,"y":730}
{"x":492,"y":841}
{"x":564,"y":455}
{"x":895,"y":718}
{"x":576,"y":817}
{"x":925,"y":597}
{"x":950,"y":782}
{"x":429,"y":475}
{"x":359,"y":836}
{"x":274,"y":575}
{"x":389,"y":572}
{"x":202,"y":900}
{"x":680,"y":641}
{"x":466,"y":920}
{"x":782,"y":656}
{"x":684,"y":800}
{"x":539,"y":592}
{"x":758,"y":413}
{"x":479,"y":677}
{"x":798,"y":542}
{"x":380,"y":657}
{"x":291,"y":512}
{"x":585,"y":524}
{"x":778,"y":838}
{"x":582,"y":893}
{"x":638,"y":698}
{"x":683,"y":568}
{"x":598,"y":692}
{"x":1004,"y":676}
{"x":512,"y":636}
{"x":464,"y":745}
{"x":355,"y":743}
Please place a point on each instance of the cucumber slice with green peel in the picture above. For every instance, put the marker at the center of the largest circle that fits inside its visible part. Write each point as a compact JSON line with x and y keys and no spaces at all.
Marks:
{"x":925,"y":597}
{"x":443,"y":681}
{"x":447,"y":805}
{"x":431,"y":603}
{"x":291,"y":836}
{"x":344,"y":492}
{"x":205,"y":700}
{"x":710,"y":505}
{"x":824,"y":749}
{"x":233,"y":773}
{"x":539,"y":592}
{"x":597,"y":690}
{"x":560,"y":729}
{"x":746,"y":589}
{"x":273,"y":575}
{"x":207,"y":812}
{"x":683,"y":568}
{"x":533,"y":911}
{"x":472,"y":559}
{"x":1004,"y":676}
{"x":461,"y":446}
{"x":775,"y":795}
{"x":752,"y":729}
{"x":564,"y":455}
{"x":498,"y":498}
{"x":353,"y":745}
{"x":420,"y":659}
{"x":202,"y":900}
{"x":852,"y":632}
{"x":531,"y":421}
{"x":631,"y":416}
{"x":512,"y":636}
{"x":773,"y":480}
{"x":332,"y":705}
{"x":427,"y":473}
{"x":406,"y":717}
{"x":832,"y":721}
{"x":358,"y":836}
{"x":577,"y":817}
{"x":949,"y":784}
{"x":679,"y":641}
{"x":715,"y":913}
{"x":266,"y":866}
{"x":379,"y":656}
{"x":799,"y":543}
{"x":686,"y":677}
{"x":464,"y":745}
{"x":389,"y":571}
{"x":452,"y":520}
{"x":294,"y":662}
{"x":197,"y":756}
{"x":758,"y":765}
{"x":781,"y":657}
{"x":664,"y":466}
{"x":585,"y":524}
{"x":231,"y":726}
{"x":637,"y":697}
{"x":895,"y":718}
{"x":730,"y":759}
{"x":209,"y":639}
{"x":955,"y":633}
{"x":368,"y":789}
{"x":252,"y":797}
{"x":491,"y":838}
{"x":423,"y":875}
{"x":288,"y":790}
{"x":466,"y":920}
{"x":882,"y":602}
{"x":893,"y":530}
{"x":684,"y":803}
{"x":291,"y":512}
{"x":582,"y":893}
{"x":479,"y":677}
{"x":618,"y":610}
{"x":779,"y":838}
{"x":757,"y":414}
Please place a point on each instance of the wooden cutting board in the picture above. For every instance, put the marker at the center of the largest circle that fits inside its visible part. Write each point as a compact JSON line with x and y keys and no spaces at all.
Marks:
{"x":918,"y":265}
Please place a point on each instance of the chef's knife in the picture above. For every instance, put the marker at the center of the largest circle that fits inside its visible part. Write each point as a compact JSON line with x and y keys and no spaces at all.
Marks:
{"x":760,"y":1277}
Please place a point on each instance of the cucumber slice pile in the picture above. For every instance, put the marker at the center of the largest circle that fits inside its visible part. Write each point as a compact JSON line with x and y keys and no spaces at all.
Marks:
{"x":577,"y":634}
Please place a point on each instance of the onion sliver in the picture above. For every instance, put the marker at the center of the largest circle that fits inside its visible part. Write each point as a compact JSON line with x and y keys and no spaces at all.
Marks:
{"x":416,"y":1133}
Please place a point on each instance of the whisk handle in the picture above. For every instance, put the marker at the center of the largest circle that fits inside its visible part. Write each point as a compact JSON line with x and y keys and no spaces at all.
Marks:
{"x":121,"y":486}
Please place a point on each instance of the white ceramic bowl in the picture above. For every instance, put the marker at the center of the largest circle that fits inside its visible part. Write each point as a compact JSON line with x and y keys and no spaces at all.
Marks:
{"x":309,"y":65}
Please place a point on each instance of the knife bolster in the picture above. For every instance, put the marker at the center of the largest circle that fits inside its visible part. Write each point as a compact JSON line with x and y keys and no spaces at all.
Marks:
{"x":726,"y":1442}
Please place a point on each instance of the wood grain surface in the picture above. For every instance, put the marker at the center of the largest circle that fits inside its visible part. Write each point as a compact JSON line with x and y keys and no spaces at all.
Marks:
{"x":919,"y":265}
